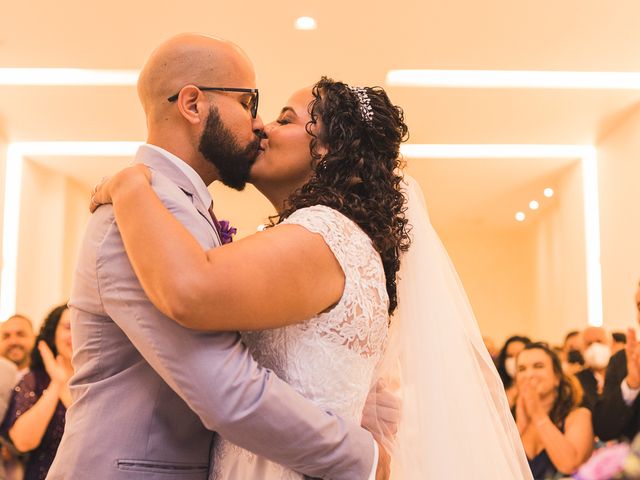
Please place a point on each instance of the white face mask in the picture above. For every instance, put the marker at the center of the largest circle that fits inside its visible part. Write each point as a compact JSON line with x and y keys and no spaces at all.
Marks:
{"x":510,"y":366}
{"x":597,"y":355}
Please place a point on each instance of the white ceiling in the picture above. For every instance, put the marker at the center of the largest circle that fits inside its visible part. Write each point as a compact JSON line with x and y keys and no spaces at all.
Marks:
{"x":358,"y":42}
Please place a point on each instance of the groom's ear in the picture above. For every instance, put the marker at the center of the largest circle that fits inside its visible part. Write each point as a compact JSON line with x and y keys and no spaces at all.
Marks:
{"x":189,"y":104}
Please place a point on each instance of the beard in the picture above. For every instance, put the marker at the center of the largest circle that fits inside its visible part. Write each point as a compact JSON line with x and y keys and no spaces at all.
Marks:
{"x":218,"y":146}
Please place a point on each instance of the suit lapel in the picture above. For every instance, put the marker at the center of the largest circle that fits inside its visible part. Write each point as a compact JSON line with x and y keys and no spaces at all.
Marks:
{"x":156,"y":161}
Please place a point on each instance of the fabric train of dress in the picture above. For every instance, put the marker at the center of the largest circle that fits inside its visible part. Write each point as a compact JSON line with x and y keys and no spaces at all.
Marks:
{"x":455,"y":421}
{"x":330,"y":358}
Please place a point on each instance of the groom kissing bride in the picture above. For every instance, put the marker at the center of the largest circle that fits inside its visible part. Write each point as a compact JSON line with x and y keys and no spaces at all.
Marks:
{"x":281,"y":342}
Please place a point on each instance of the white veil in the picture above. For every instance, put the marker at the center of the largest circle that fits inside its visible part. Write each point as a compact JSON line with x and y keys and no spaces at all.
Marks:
{"x":455,"y":419}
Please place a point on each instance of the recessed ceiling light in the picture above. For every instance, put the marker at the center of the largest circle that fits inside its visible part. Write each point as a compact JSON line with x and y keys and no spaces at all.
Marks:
{"x":520,"y":216}
{"x":533,"y":205}
{"x":305,"y":23}
{"x":548,"y":192}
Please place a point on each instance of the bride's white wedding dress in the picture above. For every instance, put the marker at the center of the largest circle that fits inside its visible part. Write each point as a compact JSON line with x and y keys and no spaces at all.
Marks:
{"x":455,"y":421}
{"x":330,"y":358}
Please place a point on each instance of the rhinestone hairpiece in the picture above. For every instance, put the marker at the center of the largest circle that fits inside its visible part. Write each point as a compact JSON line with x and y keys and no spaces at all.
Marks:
{"x":366,"y":112}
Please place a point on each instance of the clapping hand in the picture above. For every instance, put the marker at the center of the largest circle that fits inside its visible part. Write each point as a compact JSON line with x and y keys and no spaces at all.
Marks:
{"x":58,"y":369}
{"x":531,"y":399}
{"x":633,"y":360}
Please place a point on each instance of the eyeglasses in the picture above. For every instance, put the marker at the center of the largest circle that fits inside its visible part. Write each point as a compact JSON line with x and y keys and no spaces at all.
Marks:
{"x":253,"y":103}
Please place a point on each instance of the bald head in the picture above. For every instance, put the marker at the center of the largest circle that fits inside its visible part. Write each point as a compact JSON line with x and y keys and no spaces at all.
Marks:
{"x":191,"y":59}
{"x":594,"y":334}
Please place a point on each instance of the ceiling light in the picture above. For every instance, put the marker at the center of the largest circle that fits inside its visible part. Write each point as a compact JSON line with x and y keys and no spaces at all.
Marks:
{"x":533,"y":205}
{"x":75,"y":149}
{"x":513,"y":79}
{"x":520,"y":216}
{"x":305,"y":23}
{"x":416,"y":150}
{"x":548,"y":192}
{"x":67,"y":76}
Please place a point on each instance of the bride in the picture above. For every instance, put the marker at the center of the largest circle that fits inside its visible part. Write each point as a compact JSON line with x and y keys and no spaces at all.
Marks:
{"x":314,"y":294}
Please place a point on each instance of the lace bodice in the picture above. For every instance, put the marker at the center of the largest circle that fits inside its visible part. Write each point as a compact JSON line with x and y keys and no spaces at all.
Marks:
{"x":329,"y":358}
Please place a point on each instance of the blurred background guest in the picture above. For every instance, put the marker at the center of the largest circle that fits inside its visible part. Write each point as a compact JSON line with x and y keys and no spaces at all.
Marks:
{"x":556,"y":431}
{"x":617,"y":412}
{"x":596,"y":358}
{"x":491,"y":347}
{"x":572,"y":343}
{"x":34,"y":422}
{"x":506,"y":364}
{"x":618,"y":342}
{"x":16,"y":341}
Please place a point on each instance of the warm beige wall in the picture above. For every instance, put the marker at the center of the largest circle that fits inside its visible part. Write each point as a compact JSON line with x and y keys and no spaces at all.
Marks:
{"x":496,"y":268}
{"x":530,"y":279}
{"x":76,"y":201}
{"x":53,"y":215}
{"x":619,"y":174}
{"x":41,"y":242}
{"x":3,"y":166}
{"x":560,"y":284}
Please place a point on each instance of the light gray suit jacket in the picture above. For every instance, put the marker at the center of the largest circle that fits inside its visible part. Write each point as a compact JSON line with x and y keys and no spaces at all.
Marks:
{"x":148,"y":393}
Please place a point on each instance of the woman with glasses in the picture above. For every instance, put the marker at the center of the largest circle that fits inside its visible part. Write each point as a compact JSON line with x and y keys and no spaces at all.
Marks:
{"x":314,"y":293}
{"x":556,"y":431}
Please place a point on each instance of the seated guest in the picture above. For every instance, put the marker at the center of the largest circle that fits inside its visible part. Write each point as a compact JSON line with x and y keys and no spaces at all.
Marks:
{"x":596,"y":358}
{"x":16,"y":342}
{"x":555,"y":430}
{"x":574,"y":363}
{"x":506,"y":364}
{"x":572,"y":343}
{"x":617,"y":411}
{"x":618,"y":342}
{"x":34,"y":422}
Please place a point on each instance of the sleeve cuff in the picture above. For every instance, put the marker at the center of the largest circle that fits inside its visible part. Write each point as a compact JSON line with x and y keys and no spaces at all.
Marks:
{"x":375,"y":460}
{"x":629,"y":394}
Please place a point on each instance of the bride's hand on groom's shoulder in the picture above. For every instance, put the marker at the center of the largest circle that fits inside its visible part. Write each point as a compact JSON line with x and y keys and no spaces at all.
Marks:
{"x":130,"y":177}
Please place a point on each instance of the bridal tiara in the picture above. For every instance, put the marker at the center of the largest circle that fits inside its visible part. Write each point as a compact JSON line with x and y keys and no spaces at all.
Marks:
{"x":366,"y":112}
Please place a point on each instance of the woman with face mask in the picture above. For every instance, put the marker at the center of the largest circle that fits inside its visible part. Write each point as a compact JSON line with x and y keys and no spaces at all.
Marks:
{"x":555,"y":429}
{"x":506,"y":364}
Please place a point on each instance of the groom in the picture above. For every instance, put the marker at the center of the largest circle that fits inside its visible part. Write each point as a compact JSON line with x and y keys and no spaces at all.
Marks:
{"x":148,"y":393}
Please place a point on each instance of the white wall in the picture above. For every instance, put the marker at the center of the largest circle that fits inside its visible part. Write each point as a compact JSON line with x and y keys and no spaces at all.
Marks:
{"x":53,"y":213}
{"x":619,"y":174}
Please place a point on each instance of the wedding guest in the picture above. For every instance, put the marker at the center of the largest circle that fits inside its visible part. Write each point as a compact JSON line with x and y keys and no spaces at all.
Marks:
{"x":556,"y":431}
{"x":617,"y":412}
{"x":572,"y":342}
{"x":506,"y":364}
{"x":16,"y":341}
{"x":491,"y":347}
{"x":596,"y":357}
{"x":574,"y":363}
{"x":618,"y":342}
{"x":34,"y":422}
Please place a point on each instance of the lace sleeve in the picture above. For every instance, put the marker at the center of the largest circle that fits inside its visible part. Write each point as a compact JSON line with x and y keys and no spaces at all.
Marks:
{"x":359,"y":320}
{"x":25,"y":394}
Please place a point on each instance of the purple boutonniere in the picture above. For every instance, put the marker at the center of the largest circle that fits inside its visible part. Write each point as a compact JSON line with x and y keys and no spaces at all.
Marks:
{"x":226,"y":231}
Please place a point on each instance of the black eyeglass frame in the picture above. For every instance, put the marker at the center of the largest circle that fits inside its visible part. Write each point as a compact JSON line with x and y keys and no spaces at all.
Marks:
{"x":254,"y":107}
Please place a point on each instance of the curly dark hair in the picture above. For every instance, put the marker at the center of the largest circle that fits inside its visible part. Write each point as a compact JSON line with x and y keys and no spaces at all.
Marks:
{"x":569,"y":390}
{"x":359,"y":175}
{"x":507,"y":381}
{"x":48,"y":334}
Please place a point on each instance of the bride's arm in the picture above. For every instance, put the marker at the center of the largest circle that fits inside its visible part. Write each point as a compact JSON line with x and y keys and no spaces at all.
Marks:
{"x":277,"y":277}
